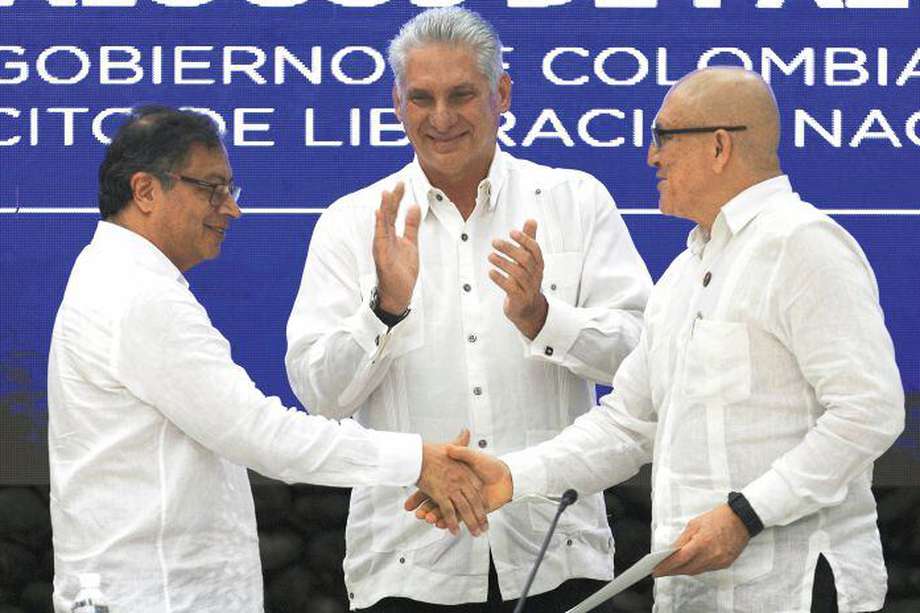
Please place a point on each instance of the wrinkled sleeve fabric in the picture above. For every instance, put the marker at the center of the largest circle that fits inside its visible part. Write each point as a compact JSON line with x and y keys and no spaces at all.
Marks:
{"x":603,"y":447}
{"x":338,"y":350}
{"x":825,"y":303}
{"x":593,"y":336}
{"x":168,"y":354}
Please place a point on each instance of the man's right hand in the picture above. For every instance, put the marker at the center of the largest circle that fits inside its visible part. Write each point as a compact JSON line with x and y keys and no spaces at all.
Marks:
{"x":497,"y":486}
{"x":395,"y":257}
{"x":453,"y":486}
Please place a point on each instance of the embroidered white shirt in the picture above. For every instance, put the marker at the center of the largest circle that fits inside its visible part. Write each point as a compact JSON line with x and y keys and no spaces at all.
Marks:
{"x":765,"y":368}
{"x":151,"y":425}
{"x":456,"y":361}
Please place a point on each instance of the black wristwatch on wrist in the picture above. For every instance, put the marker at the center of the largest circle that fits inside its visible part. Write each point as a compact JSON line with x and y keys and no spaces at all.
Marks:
{"x":745,"y":512}
{"x":388,"y":319}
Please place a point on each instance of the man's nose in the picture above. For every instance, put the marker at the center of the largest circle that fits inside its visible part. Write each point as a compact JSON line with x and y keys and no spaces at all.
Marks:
{"x":230,"y":207}
{"x":443,"y":117}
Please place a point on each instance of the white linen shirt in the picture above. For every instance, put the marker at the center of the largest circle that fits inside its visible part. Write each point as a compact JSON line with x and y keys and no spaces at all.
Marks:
{"x":150,"y":427}
{"x":765,"y":368}
{"x":456,"y":361}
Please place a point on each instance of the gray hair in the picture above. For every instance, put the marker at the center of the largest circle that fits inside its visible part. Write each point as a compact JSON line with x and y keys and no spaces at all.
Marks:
{"x":454,"y":26}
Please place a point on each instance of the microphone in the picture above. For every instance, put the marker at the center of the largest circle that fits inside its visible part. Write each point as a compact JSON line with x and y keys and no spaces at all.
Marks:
{"x":568,"y":497}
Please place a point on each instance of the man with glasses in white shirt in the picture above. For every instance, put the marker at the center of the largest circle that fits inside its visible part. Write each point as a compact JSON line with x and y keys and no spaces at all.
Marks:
{"x":152,"y":425}
{"x":762,"y":391}
{"x":485,"y":291}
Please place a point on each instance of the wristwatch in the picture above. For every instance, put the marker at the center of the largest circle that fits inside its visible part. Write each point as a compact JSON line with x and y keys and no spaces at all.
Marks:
{"x":745,"y":512}
{"x":389,"y":319}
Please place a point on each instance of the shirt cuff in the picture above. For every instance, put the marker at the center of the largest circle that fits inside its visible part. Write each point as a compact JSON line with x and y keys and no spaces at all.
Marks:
{"x":528,"y":474}
{"x":368,"y":330}
{"x":772,"y":499}
{"x":563,"y":325}
{"x":400,"y":457}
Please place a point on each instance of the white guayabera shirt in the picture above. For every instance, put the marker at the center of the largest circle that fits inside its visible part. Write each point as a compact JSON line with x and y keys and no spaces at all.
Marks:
{"x":456,"y":361}
{"x":151,"y":425}
{"x":765,"y":368}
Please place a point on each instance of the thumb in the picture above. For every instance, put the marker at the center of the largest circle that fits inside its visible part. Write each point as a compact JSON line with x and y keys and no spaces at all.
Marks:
{"x":530,"y":228}
{"x":462,"y":454}
{"x":463,"y":439}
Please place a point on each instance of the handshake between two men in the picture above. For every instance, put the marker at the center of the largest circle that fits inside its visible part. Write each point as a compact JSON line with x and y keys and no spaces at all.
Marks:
{"x":711,"y":541}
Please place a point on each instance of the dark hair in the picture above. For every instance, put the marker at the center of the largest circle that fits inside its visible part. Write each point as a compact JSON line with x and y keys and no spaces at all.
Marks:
{"x":154,"y":139}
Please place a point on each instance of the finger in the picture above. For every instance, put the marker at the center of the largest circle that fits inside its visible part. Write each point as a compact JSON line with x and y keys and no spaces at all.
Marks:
{"x":519,"y":274}
{"x":413,"y":501}
{"x":427,"y":508}
{"x":528,"y":240}
{"x":465,"y":511}
{"x":508,"y":284}
{"x":679,"y":563}
{"x":463,"y":439}
{"x":380,"y":226}
{"x":514,"y":252}
{"x":413,"y":219}
{"x":449,"y":515}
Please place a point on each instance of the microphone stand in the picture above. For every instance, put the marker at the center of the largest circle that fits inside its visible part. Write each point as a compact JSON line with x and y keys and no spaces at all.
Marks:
{"x":568,"y":498}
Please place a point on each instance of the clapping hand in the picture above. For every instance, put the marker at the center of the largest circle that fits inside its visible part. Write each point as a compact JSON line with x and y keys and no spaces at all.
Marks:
{"x":519,"y":271}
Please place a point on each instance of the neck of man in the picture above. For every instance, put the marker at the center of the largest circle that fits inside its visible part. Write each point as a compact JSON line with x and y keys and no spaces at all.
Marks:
{"x":731,"y":191}
{"x":461,"y":188}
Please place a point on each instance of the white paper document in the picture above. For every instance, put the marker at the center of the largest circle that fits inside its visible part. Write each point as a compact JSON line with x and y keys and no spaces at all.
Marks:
{"x":631,"y":575}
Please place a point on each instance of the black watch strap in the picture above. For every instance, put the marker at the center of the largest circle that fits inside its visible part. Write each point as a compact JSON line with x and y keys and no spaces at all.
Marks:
{"x":746,"y":513}
{"x":388,"y":319}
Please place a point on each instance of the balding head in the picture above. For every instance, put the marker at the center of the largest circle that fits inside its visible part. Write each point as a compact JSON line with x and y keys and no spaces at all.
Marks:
{"x":728,"y":96}
{"x":718,"y":134}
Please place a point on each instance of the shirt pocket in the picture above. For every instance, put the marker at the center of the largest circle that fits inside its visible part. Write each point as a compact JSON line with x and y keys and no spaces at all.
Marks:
{"x":394,"y":528}
{"x":561,"y":275}
{"x":588,"y":513}
{"x":717,"y":364}
{"x":411,"y":334}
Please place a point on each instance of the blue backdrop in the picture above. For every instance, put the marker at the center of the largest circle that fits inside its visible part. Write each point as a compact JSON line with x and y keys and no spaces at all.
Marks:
{"x":300,"y":86}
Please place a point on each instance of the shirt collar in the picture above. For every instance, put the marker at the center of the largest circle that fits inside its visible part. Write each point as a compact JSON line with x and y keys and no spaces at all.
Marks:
{"x":144,"y":253}
{"x":488,"y":190}
{"x":739,"y":212}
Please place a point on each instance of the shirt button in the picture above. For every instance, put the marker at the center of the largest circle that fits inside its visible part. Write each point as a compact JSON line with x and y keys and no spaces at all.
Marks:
{"x":483,"y":443}
{"x":553,"y":286}
{"x":464,"y":237}
{"x":467,"y":287}
{"x":707,"y":278}
{"x":699,"y":315}
{"x":471,"y":338}
{"x":538,"y":191}
{"x":402,"y":560}
{"x":477,"y":391}
{"x":438,"y":197}
{"x":351,"y":595}
{"x":548,"y":351}
{"x":569,"y":542}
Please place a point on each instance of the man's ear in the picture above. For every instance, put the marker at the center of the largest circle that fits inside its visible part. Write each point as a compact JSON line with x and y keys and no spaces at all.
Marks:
{"x":723,"y":151}
{"x":397,"y":102}
{"x":145,"y":190}
{"x":504,"y":93}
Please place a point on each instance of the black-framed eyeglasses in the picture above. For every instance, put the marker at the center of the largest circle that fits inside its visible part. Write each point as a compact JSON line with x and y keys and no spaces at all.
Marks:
{"x":219,"y":191}
{"x":661,"y":135}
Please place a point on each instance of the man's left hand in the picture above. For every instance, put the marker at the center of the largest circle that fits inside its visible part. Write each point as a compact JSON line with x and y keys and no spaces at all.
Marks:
{"x":521,"y":266}
{"x":711,"y":541}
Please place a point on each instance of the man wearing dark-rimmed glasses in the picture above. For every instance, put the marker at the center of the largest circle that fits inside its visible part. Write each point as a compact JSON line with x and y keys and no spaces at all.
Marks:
{"x":152,"y":424}
{"x":762,"y":390}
